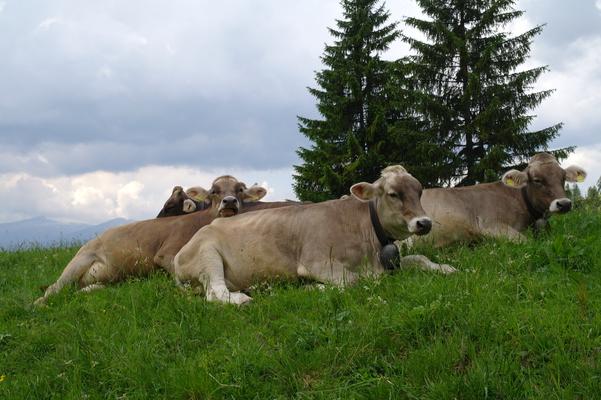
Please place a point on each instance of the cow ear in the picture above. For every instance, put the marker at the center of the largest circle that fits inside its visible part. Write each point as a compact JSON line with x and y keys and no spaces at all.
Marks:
{"x":575,"y":174}
{"x":189,"y":206}
{"x":254,"y":193}
{"x":515,"y":178}
{"x":197,"y":193}
{"x":364,"y":191}
{"x":177,"y":189}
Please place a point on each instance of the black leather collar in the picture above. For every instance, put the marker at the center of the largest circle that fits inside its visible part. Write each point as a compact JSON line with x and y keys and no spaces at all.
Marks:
{"x":383,"y":238}
{"x":389,"y":253}
{"x":534,"y":213}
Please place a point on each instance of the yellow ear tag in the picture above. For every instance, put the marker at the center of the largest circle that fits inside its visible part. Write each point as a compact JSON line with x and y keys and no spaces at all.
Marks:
{"x":580,"y":178}
{"x":509,"y":182}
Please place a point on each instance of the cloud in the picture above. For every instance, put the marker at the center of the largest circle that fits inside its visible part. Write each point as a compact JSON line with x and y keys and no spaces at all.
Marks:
{"x":130,"y":74}
{"x":102,"y":195}
{"x":47,"y":23}
{"x":565,"y":22}
{"x":577,"y":99}
{"x":128,"y":77}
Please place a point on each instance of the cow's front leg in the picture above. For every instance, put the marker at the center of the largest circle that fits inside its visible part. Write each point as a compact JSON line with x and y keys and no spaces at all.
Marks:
{"x":425,"y":264}
{"x":212,"y":277}
{"x":222,"y":294}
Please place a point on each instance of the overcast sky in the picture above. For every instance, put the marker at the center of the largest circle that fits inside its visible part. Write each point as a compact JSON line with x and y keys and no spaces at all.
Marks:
{"x":105,"y":105}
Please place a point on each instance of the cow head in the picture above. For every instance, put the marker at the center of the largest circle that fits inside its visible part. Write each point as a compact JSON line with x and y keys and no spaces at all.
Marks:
{"x":397,"y":197}
{"x":179,"y":203}
{"x":544,"y":183}
{"x":227,"y":195}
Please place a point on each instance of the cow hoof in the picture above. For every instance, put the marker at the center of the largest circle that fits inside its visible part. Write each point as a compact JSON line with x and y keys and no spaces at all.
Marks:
{"x":41,"y":302}
{"x":239,"y":298}
{"x":446,"y":269}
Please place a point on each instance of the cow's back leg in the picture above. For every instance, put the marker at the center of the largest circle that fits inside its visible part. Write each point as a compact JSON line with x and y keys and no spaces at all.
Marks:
{"x":331,"y":272}
{"x":72,"y":273}
{"x":92,"y":287}
{"x":98,"y":274}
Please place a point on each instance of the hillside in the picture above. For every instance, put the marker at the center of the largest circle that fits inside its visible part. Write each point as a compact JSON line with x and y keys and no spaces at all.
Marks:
{"x":518,"y":321}
{"x":44,"y":232}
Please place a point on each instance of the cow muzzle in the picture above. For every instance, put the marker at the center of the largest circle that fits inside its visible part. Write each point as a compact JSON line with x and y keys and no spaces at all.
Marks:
{"x":229,"y":206}
{"x":560,"y":206}
{"x":189,"y":206}
{"x":420,"y":225}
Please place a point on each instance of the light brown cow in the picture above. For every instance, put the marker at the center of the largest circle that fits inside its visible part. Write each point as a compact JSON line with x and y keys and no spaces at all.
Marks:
{"x":335,"y":241}
{"x":139,"y":248}
{"x":501,"y":209}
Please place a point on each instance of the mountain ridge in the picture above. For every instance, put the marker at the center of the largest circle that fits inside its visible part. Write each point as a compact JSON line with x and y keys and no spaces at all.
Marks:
{"x":41,"y":231}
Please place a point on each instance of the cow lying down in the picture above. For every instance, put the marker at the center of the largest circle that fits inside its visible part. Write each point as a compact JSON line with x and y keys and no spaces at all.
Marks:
{"x":335,"y":241}
{"x":139,"y":248}
{"x":522,"y":200}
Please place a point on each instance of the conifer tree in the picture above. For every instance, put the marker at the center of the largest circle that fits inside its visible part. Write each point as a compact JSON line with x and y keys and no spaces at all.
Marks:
{"x":592,"y":193}
{"x":350,"y":143}
{"x":473,"y":92}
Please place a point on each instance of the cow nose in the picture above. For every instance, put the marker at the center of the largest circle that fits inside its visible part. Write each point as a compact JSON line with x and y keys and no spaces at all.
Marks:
{"x":564,"y":205}
{"x":424,"y":225}
{"x":229,"y":201}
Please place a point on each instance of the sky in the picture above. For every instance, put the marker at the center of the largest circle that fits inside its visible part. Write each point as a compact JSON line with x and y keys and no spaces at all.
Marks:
{"x":106,"y":105}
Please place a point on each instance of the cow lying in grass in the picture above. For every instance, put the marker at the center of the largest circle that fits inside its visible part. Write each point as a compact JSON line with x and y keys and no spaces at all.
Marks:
{"x":335,"y":241}
{"x":139,"y":248}
{"x":504,"y":209}
{"x":184,"y":202}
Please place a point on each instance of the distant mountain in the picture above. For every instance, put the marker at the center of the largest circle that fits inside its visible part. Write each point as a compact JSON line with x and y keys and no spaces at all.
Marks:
{"x":44,"y":232}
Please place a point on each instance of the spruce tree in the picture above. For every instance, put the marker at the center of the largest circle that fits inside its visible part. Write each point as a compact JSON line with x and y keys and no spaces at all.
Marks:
{"x":351,"y":142}
{"x":472,"y":90}
{"x":592,"y":193}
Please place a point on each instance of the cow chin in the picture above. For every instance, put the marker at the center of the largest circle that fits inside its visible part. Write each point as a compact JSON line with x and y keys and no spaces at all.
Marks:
{"x":227,"y":212}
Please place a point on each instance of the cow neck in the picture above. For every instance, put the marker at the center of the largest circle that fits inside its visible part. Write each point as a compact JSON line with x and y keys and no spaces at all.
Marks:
{"x":534,"y":213}
{"x":203,"y":205}
{"x":383,"y":237}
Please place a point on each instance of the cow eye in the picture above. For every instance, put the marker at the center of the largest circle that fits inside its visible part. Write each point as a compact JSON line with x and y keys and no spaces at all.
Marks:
{"x":537,"y":181}
{"x":394,"y":194}
{"x":240,"y":190}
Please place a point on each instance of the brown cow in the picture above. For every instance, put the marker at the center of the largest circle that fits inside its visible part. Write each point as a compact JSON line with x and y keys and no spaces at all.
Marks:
{"x":335,"y":241}
{"x":502,"y":209}
{"x":183,"y":202}
{"x":139,"y":248}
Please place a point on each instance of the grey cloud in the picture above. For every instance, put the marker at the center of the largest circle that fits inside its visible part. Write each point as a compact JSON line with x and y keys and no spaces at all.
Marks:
{"x":566,"y":20}
{"x":193,"y":133}
{"x":174,"y":82}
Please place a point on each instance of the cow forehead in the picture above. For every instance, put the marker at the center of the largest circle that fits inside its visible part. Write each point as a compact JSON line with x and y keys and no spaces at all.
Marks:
{"x":548,"y":169}
{"x":227,"y":183}
{"x":225,"y":179}
{"x":542,"y":158}
{"x":401,"y":183}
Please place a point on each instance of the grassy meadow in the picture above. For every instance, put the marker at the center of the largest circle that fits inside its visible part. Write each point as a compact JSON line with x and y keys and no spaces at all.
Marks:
{"x":517,"y":321}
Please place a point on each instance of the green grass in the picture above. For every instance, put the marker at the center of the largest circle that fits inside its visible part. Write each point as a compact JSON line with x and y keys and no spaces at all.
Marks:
{"x":517,"y":321}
